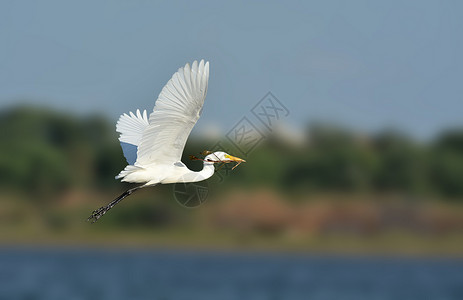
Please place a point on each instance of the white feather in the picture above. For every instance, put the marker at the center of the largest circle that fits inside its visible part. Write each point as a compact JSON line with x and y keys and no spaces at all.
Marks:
{"x":131,"y":127}
{"x":160,"y":140}
{"x":175,"y":113}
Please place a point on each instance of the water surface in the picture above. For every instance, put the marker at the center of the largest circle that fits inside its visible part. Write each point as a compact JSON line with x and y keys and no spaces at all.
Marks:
{"x":130,"y":274}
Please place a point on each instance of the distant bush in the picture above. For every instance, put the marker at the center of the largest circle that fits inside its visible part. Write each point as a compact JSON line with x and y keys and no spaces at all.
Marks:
{"x":43,"y":153}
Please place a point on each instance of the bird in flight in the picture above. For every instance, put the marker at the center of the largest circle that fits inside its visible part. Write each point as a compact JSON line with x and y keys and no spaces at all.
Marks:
{"x":153,"y":145}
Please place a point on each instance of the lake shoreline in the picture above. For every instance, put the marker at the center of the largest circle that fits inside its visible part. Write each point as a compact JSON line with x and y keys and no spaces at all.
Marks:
{"x":316,"y":247}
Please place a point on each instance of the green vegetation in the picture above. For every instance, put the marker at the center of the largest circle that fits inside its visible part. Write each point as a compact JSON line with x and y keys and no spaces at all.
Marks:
{"x":45,"y":153}
{"x":55,"y":169}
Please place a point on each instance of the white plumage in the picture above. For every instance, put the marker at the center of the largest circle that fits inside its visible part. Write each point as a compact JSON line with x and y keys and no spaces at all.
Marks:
{"x":131,"y":127}
{"x":176,"y":111}
{"x":160,"y":139}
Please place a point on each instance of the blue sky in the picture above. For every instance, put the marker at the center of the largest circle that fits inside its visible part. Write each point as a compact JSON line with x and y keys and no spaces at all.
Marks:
{"x":362,"y":64}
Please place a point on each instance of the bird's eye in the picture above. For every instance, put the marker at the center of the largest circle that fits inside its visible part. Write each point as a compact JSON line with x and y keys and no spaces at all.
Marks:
{"x":210,"y":160}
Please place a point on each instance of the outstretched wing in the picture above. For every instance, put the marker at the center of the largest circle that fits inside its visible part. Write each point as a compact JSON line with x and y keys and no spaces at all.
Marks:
{"x":175,"y":113}
{"x":131,"y":127}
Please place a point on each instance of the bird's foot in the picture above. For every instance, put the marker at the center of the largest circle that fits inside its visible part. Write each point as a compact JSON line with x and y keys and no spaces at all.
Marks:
{"x":98,"y":213}
{"x":102,"y":210}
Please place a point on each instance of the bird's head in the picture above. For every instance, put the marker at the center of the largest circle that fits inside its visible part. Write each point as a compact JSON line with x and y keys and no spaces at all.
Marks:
{"x":218,"y":157}
{"x":221,"y":157}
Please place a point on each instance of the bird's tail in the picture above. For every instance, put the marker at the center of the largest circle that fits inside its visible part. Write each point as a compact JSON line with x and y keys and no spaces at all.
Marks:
{"x":129,"y":174}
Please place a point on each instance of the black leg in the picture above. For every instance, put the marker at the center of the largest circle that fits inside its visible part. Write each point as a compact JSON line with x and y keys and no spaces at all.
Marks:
{"x":102,"y":210}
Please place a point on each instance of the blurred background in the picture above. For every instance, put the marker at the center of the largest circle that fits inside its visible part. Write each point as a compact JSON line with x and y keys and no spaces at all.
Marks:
{"x":353,"y":186}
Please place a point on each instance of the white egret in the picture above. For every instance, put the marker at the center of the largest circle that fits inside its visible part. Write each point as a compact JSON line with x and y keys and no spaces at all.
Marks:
{"x":153,"y":146}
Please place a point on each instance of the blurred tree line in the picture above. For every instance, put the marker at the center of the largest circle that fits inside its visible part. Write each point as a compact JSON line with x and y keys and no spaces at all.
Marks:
{"x":44,"y":153}
{"x":389,"y":161}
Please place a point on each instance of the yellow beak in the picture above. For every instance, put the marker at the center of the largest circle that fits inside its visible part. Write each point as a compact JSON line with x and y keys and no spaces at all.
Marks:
{"x":236,"y":159}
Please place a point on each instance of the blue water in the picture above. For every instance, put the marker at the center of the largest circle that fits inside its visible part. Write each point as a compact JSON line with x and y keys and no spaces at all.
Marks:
{"x":103,"y":274}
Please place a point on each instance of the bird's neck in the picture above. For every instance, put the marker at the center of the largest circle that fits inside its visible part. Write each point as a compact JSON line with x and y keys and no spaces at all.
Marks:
{"x":205,"y":173}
